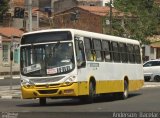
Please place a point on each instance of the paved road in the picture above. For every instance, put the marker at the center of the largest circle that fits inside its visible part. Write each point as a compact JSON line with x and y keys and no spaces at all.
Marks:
{"x":10,"y":91}
{"x":144,"y":100}
{"x":147,"y":99}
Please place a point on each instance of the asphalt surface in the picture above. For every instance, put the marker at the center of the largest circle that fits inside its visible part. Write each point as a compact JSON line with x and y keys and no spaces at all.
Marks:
{"x":12,"y":91}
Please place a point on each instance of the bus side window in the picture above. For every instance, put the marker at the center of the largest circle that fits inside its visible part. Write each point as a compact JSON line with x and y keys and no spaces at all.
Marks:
{"x":131,"y":55}
{"x":137,"y":54}
{"x":116,"y":53}
{"x":106,"y":50}
{"x":90,"y":54}
{"x":98,"y":49}
{"x":123,"y":52}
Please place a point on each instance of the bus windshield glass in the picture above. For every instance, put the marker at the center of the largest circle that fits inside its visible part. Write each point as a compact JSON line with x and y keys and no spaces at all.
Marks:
{"x":47,"y":59}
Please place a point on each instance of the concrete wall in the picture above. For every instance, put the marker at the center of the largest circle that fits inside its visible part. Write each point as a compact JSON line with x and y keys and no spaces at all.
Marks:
{"x":150,"y":52}
{"x":5,"y":64}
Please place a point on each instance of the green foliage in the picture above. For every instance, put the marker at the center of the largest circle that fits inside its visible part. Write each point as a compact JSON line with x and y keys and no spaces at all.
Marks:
{"x":3,"y":7}
{"x":140,"y":20}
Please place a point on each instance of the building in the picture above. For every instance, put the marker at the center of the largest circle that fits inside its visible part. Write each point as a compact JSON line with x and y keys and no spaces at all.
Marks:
{"x":40,"y":19}
{"x":61,"y":5}
{"x":9,"y":40}
{"x":152,"y":51}
{"x":90,"y":18}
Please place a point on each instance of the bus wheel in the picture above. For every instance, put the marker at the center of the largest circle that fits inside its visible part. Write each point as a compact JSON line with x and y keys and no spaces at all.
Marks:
{"x":42,"y":101}
{"x":124,"y":94}
{"x":91,"y":92}
{"x":89,"y":98}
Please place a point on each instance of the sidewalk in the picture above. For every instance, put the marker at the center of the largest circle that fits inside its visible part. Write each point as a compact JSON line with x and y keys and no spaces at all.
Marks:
{"x":8,"y":77}
{"x":10,"y":92}
{"x":151,"y":84}
{"x":15,"y":93}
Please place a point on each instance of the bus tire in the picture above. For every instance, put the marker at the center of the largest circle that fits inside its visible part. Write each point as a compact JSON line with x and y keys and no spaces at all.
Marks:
{"x":91,"y":92}
{"x":124,"y":95}
{"x":89,"y":98}
{"x":42,"y":101}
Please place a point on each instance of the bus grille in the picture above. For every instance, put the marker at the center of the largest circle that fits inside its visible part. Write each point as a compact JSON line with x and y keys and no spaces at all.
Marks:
{"x":50,"y":85}
{"x":48,"y":91}
{"x":44,"y":80}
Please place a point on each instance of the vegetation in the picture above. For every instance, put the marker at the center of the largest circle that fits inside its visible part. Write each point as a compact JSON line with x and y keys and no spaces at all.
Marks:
{"x":141,"y":19}
{"x":3,"y":8}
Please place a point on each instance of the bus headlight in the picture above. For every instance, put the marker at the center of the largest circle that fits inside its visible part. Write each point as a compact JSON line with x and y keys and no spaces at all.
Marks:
{"x":27,"y":83}
{"x":69,"y":80}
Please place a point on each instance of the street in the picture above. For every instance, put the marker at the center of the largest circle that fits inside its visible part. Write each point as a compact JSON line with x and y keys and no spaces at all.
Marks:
{"x":144,"y":100}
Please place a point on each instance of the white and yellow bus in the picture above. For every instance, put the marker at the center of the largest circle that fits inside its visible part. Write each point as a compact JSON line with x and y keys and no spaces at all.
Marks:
{"x":74,"y":63}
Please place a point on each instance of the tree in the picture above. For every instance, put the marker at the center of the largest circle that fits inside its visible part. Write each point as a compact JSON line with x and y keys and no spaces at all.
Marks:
{"x":140,"y":19}
{"x":3,"y":8}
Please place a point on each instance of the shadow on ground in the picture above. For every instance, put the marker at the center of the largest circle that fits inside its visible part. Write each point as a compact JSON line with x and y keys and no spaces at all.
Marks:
{"x":76,"y":102}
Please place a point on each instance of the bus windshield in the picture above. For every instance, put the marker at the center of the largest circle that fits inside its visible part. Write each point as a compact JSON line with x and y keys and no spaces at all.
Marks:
{"x":47,"y":59}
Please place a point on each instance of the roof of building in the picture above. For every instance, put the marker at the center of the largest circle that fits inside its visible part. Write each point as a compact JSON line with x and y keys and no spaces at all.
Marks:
{"x":155,"y":45}
{"x":10,"y":31}
{"x":155,"y":41}
{"x":18,"y":2}
{"x":89,"y":0}
{"x":157,"y":1}
{"x":98,"y":10}
{"x":154,"y":38}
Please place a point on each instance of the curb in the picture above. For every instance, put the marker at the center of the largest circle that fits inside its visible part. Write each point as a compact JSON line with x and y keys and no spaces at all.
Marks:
{"x":10,"y":97}
{"x":6,"y":77}
{"x":151,"y":86}
{"x":6,"y":93}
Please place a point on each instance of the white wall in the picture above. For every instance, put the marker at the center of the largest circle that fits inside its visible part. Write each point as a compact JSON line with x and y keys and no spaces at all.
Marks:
{"x":105,"y":1}
{"x":150,"y":52}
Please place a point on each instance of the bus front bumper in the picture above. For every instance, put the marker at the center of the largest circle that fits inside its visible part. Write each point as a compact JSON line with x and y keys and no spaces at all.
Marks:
{"x":49,"y":92}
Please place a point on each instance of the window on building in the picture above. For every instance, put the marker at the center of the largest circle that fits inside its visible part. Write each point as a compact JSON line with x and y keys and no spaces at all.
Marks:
{"x":5,"y":52}
{"x":152,"y":50}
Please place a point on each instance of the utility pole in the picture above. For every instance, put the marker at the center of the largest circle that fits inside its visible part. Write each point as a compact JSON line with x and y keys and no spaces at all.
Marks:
{"x":30,"y":14}
{"x":11,"y":61}
{"x":110,"y":18}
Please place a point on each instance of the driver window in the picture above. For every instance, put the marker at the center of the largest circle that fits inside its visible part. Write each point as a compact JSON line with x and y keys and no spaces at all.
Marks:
{"x":79,"y":53}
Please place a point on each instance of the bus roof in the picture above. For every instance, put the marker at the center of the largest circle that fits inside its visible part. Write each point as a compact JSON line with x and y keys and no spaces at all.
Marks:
{"x":89,"y":34}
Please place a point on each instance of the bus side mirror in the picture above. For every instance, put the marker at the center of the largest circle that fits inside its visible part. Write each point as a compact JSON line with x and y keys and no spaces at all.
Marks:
{"x":81,"y":47}
{"x":81,"y":64}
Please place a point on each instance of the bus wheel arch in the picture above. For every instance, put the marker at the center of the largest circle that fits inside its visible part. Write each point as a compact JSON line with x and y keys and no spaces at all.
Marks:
{"x":93,"y":81}
{"x":127,"y":80}
{"x":124,"y":94}
{"x":91,"y":89}
{"x":89,"y":98}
